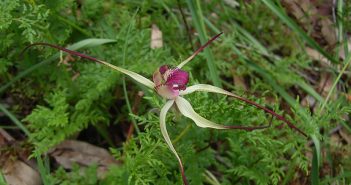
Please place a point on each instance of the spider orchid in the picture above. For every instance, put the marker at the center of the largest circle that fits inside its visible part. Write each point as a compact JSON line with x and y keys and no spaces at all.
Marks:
{"x":170,"y":83}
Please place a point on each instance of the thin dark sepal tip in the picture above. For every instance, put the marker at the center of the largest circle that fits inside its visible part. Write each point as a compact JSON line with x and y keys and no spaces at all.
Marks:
{"x":207,"y":43}
{"x":61,"y":49}
{"x":279,"y":117}
{"x":184,"y":179}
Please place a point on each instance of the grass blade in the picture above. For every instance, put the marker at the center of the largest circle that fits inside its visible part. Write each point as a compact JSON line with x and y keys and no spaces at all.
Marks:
{"x":315,"y":168}
{"x":14,"y":119}
{"x":348,"y":59}
{"x":44,"y":170}
{"x":307,"y":88}
{"x":263,"y":51}
{"x":72,"y":24}
{"x":342,"y":36}
{"x":198,"y":19}
{"x":291,"y":101}
{"x":287,"y":20}
{"x":2,"y":179}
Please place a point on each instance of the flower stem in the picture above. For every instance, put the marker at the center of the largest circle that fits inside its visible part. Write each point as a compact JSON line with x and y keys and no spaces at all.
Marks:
{"x":125,"y":47}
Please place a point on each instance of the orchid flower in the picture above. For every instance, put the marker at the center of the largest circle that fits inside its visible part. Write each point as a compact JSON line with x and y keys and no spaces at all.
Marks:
{"x":171,"y":84}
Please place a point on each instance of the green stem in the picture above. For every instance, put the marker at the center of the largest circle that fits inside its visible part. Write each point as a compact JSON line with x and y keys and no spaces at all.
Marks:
{"x":125,"y":47}
{"x":184,"y":131}
{"x":348,"y":59}
{"x":44,"y":170}
{"x":70,"y":23}
{"x":9,"y":127}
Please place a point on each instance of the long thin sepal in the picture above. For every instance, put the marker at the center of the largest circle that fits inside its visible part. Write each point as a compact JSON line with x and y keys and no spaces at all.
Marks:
{"x":187,"y":110}
{"x":163,"y":127}
{"x":213,"y":89}
{"x":199,"y":50}
{"x":131,"y":74}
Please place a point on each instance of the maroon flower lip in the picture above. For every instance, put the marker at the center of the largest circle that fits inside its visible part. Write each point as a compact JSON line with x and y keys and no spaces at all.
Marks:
{"x":168,"y":81}
{"x":178,"y":79}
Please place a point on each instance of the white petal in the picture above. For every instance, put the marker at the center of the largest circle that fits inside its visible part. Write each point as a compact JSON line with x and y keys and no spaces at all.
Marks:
{"x":163,"y":114}
{"x":187,"y":110}
{"x":132,"y":74}
{"x":163,"y":127}
{"x":213,"y":89}
{"x":207,"y":88}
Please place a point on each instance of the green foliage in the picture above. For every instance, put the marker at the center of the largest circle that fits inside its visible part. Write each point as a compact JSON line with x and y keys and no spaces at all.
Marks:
{"x":143,"y":162}
{"x":147,"y":159}
{"x":345,"y":17}
{"x":91,"y":9}
{"x":3,"y":65}
{"x":23,"y":22}
{"x":31,"y":21}
{"x":6,"y":8}
{"x":76,"y":177}
{"x":47,"y":123}
{"x":60,"y":100}
{"x":262,"y":166}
